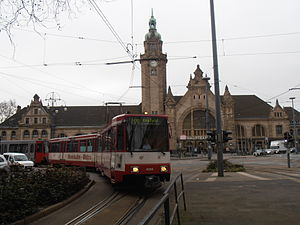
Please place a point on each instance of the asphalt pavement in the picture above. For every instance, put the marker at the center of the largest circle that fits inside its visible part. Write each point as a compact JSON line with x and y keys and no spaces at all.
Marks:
{"x":266,"y":194}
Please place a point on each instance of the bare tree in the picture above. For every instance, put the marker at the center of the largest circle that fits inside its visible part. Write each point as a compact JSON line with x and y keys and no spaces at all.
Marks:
{"x":7,"y":109}
{"x":18,"y":13}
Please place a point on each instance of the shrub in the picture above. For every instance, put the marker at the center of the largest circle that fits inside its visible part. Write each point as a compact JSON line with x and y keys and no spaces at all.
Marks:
{"x":24,"y":193}
{"x":228,"y":167}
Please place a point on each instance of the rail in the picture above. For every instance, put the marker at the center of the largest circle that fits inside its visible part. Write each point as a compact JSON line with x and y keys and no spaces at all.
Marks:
{"x":165,"y":200}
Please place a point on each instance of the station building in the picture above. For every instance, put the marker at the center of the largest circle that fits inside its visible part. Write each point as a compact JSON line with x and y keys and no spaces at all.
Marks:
{"x":253,"y":122}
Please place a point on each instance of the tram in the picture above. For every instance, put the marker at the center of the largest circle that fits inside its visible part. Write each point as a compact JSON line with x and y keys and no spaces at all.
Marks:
{"x":133,"y":147}
{"x":35,"y":150}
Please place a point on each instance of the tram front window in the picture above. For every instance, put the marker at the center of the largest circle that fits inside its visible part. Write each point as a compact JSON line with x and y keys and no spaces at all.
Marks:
{"x":147,"y":134}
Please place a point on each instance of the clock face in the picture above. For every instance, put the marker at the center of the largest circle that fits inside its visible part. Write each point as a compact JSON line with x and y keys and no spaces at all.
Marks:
{"x":153,"y":63}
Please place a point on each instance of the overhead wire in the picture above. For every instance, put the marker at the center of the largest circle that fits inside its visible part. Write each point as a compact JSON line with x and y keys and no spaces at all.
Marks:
{"x":74,"y":85}
{"x":110,"y":27}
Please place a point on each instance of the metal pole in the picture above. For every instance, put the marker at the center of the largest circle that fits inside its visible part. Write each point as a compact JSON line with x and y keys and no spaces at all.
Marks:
{"x":219,"y":141}
{"x":288,"y":158}
{"x":206,"y":78}
{"x":294,"y":126}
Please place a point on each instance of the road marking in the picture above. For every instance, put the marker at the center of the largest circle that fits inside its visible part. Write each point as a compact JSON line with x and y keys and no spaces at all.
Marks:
{"x":210,"y":179}
{"x":289,"y":174}
{"x":253,"y":176}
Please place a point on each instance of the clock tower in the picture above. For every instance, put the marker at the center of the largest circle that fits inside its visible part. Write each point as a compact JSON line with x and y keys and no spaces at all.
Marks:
{"x":153,"y":63}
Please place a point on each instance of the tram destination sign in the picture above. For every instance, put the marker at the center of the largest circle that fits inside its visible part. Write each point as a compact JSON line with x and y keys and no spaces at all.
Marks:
{"x":145,"y":121}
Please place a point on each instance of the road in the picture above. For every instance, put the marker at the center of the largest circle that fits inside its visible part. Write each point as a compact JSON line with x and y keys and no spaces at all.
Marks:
{"x":266,"y":194}
{"x":268,"y":190}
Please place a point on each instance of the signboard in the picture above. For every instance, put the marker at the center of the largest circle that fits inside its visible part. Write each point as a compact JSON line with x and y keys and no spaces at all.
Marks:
{"x":184,"y":137}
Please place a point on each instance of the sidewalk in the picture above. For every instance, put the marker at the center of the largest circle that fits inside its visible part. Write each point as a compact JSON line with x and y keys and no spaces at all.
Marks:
{"x":236,"y":199}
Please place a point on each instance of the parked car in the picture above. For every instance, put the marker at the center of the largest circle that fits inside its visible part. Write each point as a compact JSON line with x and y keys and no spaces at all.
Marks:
{"x":18,"y":159}
{"x":259,"y":152}
{"x":3,"y":163}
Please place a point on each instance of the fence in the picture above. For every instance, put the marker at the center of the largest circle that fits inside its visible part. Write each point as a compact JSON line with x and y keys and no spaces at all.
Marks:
{"x":165,"y":200}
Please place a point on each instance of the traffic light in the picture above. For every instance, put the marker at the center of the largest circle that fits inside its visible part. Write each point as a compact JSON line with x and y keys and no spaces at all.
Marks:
{"x":288,"y":137}
{"x":226,"y":137}
{"x":211,"y":136}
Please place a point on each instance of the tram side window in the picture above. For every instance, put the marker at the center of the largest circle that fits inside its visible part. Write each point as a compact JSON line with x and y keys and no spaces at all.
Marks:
{"x":90,"y":145}
{"x":82,"y":146}
{"x":120,"y":137}
{"x":39,"y":147}
{"x":100,"y":144}
{"x":13,"y":148}
{"x":54,"y":147}
{"x":23,"y":148}
{"x":107,"y":141}
{"x":73,"y":146}
{"x":31,"y":148}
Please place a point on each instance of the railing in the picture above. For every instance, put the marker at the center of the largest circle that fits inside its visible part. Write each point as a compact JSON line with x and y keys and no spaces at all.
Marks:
{"x":165,"y":200}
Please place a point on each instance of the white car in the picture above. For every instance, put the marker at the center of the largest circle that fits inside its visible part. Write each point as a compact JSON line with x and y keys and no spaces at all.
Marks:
{"x":3,"y":163}
{"x":18,"y":158}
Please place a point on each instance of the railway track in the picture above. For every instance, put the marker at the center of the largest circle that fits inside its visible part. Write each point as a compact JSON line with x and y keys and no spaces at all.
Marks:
{"x":116,"y":209}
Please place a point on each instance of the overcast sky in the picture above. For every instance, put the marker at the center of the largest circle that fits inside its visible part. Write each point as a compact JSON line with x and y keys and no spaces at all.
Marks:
{"x":258,"y":48}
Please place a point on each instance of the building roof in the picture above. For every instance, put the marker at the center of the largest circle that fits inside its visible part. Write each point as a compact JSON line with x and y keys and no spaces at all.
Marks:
{"x":78,"y":115}
{"x":250,"y":106}
{"x":289,"y":111}
{"x":246,"y":106}
{"x":91,"y":115}
{"x":13,"y":120}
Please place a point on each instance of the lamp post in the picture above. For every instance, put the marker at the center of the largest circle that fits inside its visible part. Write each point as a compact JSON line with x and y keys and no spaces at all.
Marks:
{"x":294,"y":125}
{"x":206,"y":78}
{"x":219,"y":139}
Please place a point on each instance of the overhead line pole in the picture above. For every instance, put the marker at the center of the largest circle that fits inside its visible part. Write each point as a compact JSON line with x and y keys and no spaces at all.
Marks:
{"x":219,"y":139}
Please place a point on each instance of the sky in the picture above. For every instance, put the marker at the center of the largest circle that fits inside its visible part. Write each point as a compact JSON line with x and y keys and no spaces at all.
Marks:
{"x":258,"y":50}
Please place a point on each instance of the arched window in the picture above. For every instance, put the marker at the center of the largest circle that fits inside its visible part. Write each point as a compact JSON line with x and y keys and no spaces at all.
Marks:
{"x":258,"y":131}
{"x":13,"y":134}
{"x":26,"y":134}
{"x":44,"y":133}
{"x":35,"y":133}
{"x":240,"y":130}
{"x":3,"y":134}
{"x":196,"y":120}
{"x":62,"y":135}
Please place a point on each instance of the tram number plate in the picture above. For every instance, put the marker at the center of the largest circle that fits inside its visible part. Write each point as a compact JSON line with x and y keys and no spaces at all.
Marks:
{"x":149,"y":169}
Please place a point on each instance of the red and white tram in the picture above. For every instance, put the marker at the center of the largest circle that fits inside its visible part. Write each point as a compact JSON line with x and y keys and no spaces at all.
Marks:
{"x":35,"y":150}
{"x":132,"y":147}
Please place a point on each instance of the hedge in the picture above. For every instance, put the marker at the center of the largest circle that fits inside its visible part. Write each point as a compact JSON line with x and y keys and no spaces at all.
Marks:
{"x":24,"y":193}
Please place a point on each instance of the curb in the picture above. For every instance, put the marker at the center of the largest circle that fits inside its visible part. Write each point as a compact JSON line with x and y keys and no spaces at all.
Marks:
{"x":52,"y":208}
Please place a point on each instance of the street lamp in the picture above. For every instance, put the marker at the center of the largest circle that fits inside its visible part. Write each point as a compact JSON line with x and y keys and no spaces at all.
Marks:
{"x":206,"y":78}
{"x":294,"y":125}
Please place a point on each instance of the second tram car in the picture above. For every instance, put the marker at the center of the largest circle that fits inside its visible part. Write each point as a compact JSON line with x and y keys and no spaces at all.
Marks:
{"x":35,"y":150}
{"x":132,"y":147}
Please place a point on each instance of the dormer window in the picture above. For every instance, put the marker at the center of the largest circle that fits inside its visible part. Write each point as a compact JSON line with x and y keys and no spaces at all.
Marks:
{"x":36,"y":111}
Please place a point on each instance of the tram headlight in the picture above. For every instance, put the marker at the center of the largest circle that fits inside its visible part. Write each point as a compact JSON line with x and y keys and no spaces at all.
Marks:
{"x":135,"y":169}
{"x":163,"y":169}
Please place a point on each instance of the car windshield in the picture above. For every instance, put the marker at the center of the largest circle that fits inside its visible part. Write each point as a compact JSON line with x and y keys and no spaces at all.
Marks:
{"x":20,"y":158}
{"x":146,"y":133}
